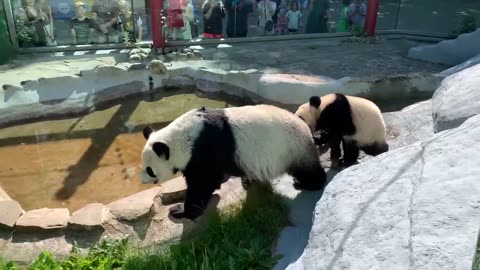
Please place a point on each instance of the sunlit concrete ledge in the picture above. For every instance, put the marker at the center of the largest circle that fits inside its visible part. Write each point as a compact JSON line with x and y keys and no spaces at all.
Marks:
{"x":79,"y":94}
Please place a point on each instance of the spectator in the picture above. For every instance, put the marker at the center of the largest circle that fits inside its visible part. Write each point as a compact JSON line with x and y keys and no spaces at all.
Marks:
{"x":282,"y":23}
{"x":266,"y":10}
{"x":237,"y":22}
{"x":344,"y":24}
{"x":130,"y":23}
{"x":213,"y":14}
{"x":81,"y":27}
{"x":356,"y":13}
{"x":105,"y":14}
{"x":318,"y":17}
{"x":294,"y":15}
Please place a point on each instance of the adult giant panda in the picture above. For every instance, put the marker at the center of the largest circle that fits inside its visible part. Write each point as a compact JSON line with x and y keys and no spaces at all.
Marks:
{"x":258,"y":142}
{"x":356,"y":122}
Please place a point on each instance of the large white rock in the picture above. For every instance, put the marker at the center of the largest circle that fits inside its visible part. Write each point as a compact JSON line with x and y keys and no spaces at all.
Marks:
{"x":450,"y":52}
{"x":469,"y":63}
{"x":412,"y":124}
{"x":457,"y":99}
{"x":416,"y":207}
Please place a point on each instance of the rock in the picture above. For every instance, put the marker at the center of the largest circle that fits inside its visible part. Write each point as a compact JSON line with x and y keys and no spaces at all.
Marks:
{"x":135,"y":206}
{"x":457,"y":99}
{"x":158,"y":67}
{"x":182,"y":56}
{"x":416,"y":207}
{"x":135,"y":58}
{"x":173,"y":191}
{"x":43,"y":219}
{"x":450,"y":52}
{"x":11,"y":211}
{"x":4,"y":196}
{"x":90,"y":217}
{"x":412,"y":124}
{"x":197,"y":54}
{"x":469,"y":63}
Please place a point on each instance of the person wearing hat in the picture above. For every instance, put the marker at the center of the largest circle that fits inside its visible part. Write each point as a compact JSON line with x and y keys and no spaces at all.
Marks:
{"x":81,"y":27}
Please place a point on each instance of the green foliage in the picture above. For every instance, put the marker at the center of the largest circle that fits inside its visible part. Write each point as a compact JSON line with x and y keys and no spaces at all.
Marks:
{"x":468,"y":24}
{"x":476,"y":260}
{"x":7,"y":265}
{"x":240,"y":239}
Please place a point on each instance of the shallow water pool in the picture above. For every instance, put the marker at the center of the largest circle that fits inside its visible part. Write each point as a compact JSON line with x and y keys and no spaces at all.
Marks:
{"x":94,"y":158}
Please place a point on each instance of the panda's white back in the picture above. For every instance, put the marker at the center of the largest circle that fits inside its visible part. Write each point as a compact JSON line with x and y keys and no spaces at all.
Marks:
{"x":269,"y":140}
{"x":368,"y":121}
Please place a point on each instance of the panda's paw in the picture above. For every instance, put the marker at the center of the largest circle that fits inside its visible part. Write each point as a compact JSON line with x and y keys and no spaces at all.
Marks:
{"x":177,"y":212}
{"x":310,"y":187}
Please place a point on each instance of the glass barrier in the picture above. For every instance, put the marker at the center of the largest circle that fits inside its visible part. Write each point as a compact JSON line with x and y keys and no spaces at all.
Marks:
{"x":67,"y":22}
{"x":447,"y":17}
{"x":78,"y":22}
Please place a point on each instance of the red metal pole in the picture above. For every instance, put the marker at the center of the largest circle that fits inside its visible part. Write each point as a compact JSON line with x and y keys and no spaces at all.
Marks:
{"x":156,"y":13}
{"x":372,"y":14}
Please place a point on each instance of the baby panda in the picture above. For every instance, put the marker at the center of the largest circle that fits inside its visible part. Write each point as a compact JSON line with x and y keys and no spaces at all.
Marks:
{"x":355,"y":122}
{"x":208,"y":146}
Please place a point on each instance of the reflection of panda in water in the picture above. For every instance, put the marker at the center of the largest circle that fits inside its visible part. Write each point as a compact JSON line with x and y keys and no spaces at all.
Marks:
{"x":354,"y":121}
{"x":207,"y":145}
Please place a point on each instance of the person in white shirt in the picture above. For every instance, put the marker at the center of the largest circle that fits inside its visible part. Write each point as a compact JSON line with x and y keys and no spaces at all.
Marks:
{"x":266,"y":10}
{"x":294,"y":16}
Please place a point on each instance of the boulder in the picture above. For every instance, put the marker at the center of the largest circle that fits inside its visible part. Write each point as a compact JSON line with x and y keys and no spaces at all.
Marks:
{"x":135,"y":206}
{"x":90,"y":217}
{"x":449,"y":52}
{"x":173,"y":191}
{"x":11,"y":211}
{"x":43,"y":219}
{"x":158,"y":67}
{"x":469,"y":63}
{"x":415,"y":207}
{"x":457,"y":99}
{"x":412,"y":124}
{"x":4,"y":195}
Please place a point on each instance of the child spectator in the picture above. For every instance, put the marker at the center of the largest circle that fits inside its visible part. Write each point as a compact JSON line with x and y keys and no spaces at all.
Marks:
{"x":81,"y":27}
{"x":293,"y":16}
{"x":282,"y":22}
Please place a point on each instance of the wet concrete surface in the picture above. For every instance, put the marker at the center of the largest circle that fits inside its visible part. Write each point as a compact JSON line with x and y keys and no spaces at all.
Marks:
{"x":95,"y":158}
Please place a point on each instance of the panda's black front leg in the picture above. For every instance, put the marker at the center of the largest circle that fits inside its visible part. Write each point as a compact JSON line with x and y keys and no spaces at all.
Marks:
{"x":199,"y":192}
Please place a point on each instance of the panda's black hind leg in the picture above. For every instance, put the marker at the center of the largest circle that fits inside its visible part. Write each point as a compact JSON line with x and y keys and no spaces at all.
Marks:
{"x":309,"y":178}
{"x":375,"y":149}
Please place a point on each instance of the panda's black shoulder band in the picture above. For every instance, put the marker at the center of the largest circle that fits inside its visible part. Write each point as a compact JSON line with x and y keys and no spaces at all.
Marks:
{"x":315,"y":101}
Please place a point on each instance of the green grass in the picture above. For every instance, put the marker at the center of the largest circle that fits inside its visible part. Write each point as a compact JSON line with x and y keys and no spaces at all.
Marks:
{"x":476,"y":260}
{"x":240,"y":239}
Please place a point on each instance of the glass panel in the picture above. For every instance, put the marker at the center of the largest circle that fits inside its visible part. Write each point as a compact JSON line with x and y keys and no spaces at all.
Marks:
{"x":67,"y":22}
{"x":437,"y":16}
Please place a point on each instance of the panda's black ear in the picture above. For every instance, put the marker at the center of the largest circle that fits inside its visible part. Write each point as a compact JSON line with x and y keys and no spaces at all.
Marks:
{"x":147,"y":131}
{"x":315,"y":101}
{"x":161,"y":149}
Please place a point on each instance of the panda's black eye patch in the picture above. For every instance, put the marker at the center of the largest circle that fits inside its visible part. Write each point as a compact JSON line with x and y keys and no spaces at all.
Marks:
{"x":150,"y":172}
